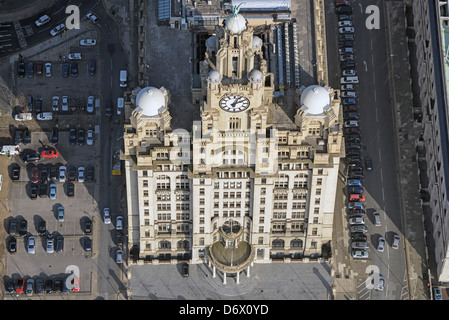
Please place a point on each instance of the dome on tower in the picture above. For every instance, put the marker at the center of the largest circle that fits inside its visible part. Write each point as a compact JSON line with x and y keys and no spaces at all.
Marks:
{"x":214,"y":77}
{"x":211,"y":43}
{"x":235,"y":24}
{"x":257,"y":43}
{"x":150,"y":100}
{"x":315,"y":99}
{"x":255,"y":76}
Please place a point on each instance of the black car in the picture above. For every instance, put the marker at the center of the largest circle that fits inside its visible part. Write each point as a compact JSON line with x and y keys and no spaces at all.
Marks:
{"x":26,"y":137}
{"x":43,"y":172}
{"x":368,"y":164}
{"x":31,"y":157}
{"x":346,"y":37}
{"x":70,"y":189}
{"x":92,"y":67}
{"x":39,"y":286}
{"x":358,"y":236}
{"x":23,"y":228}
{"x":13,"y":227}
{"x":38,"y":105}
{"x":21,"y":69}
{"x":90,"y":174}
{"x":54,"y":138}
{"x":356,"y":175}
{"x":346,"y":44}
{"x":357,"y":167}
{"x":53,"y":173}
{"x":71,"y":176}
{"x":12,"y":245}
{"x":109,"y":110}
{"x":118,"y":238}
{"x":74,"y":69}
{"x":65,"y":69}
{"x":347,"y":64}
{"x":343,"y":10}
{"x":185,"y":270}
{"x":57,"y":285}
{"x":81,"y":136}
{"x":87,"y":244}
{"x":88,"y":226}
{"x":48,"y":286}
{"x":42,"y":228}
{"x":33,"y":191}
{"x":18,"y":137}
{"x":30,"y":103}
{"x":9,"y":286}
{"x":30,"y":69}
{"x":72,"y":136}
{"x":15,"y":174}
{"x":353,"y":152}
{"x":351,"y":115}
{"x":59,"y":243}
{"x":43,"y":190}
{"x":356,"y":190}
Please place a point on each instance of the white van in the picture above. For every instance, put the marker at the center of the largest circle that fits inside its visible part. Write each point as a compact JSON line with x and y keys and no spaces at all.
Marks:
{"x":44,"y":116}
{"x":120,"y":103}
{"x":75,"y":56}
{"x":349,"y":80}
{"x":123,"y":78}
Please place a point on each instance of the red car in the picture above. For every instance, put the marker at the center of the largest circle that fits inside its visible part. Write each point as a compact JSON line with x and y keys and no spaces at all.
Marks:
{"x":35,"y":175}
{"x":356,"y":197}
{"x":50,"y":153}
{"x":19,"y":285}
{"x":339,"y":3}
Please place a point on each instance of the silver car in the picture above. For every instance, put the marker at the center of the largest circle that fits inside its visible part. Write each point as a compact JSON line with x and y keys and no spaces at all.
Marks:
{"x":31,"y":246}
{"x":381,"y":244}
{"x":396,"y":240}
{"x":361,"y":245}
{"x":360,"y":254}
{"x":50,"y":247}
{"x":118,"y":258}
{"x":29,"y":287}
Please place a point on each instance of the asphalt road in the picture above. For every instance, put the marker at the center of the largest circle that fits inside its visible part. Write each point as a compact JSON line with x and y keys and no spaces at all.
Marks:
{"x":376,"y":122}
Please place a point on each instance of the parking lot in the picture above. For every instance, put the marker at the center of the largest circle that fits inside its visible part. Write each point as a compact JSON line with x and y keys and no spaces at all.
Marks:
{"x":78,"y":84}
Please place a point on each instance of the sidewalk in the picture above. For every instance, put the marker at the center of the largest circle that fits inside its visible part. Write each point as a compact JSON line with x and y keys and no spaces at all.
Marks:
{"x":407,"y":135}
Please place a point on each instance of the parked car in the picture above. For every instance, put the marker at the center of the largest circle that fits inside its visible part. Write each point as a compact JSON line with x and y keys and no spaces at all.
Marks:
{"x":381,"y":244}
{"x":65,"y":69}
{"x":55,"y":105}
{"x":12,"y":245}
{"x":70,"y":189}
{"x":356,"y":190}
{"x":72,"y":136}
{"x":38,"y":104}
{"x":61,"y":214}
{"x":81,"y":174}
{"x":356,"y":220}
{"x":43,"y":190}
{"x":19,"y":285}
{"x":81,"y":136}
{"x":43,"y":173}
{"x":15,"y":173}
{"x":49,"y":153}
{"x":87,"y":244}
{"x":52,"y":192}
{"x":90,"y":174}
{"x":39,"y":285}
{"x":34,"y":178}
{"x":396,"y":240}
{"x":23,"y":227}
{"x":88,"y":42}
{"x":358,"y":236}
{"x":39,"y":68}
{"x":368,"y":164}
{"x":90,"y":137}
{"x":119,"y":223}
{"x":21,"y":69}
{"x":357,"y":198}
{"x":351,"y":123}
{"x":361,"y":245}
{"x":185,"y":270}
{"x":71,"y":176}
{"x":74,"y":69}
{"x":59,"y":243}
{"x":42,"y":228}
{"x":106,"y":216}
{"x":65,"y":103}
{"x":33,"y":191}
{"x":62,"y":173}
{"x":354,"y":183}
{"x":12,"y":227}
{"x":58,"y":29}
{"x":50,"y":244}
{"x":92,"y":67}
{"x":44,"y":116}
{"x":346,"y":30}
{"x":119,"y":258}
{"x":48,"y":69}
{"x":54,"y":138}
{"x":356,"y":205}
{"x":48,"y":286}
{"x":360,"y":254}
{"x":31,"y":247}
{"x":90,"y":104}
{"x":26,"y":137}
{"x":30,"y":69}
{"x":358,"y":228}
{"x":88,"y":226}
{"x":75,"y":56}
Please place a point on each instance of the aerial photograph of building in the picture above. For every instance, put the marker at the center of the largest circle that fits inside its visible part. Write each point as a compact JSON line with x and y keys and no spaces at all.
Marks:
{"x":224,"y":150}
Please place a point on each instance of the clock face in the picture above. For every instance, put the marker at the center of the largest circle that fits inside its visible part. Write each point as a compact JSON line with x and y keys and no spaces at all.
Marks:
{"x":234,"y":103}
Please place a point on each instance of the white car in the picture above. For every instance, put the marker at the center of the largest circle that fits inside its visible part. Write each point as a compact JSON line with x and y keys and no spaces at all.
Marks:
{"x":396,"y":239}
{"x":345,"y":23}
{"x":346,"y":30}
{"x":61,"y":214}
{"x":62,"y":173}
{"x":119,"y":255}
{"x":42,"y":20}
{"x":351,"y":124}
{"x":347,"y":87}
{"x":357,"y":220}
{"x":380,"y":283}
{"x":360,"y":254}
{"x":92,"y":17}
{"x":55,"y":106}
{"x":80,"y":174}
{"x":90,"y":137}
{"x":349,"y":72}
{"x":58,"y":29}
{"x":48,"y":69}
{"x":119,"y":223}
{"x":381,"y":244}
{"x":106,"y":216}
{"x":31,"y":247}
{"x":90,"y":104}
{"x":65,"y":103}
{"x":23,"y":116}
{"x":44,"y":116}
{"x":348,"y":94}
{"x":88,"y":42}
{"x":75,"y":56}
{"x":50,"y":246}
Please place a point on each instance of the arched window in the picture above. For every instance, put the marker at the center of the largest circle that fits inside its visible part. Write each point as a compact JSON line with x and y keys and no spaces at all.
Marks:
{"x":278,"y":243}
{"x":164,"y":244}
{"x":183,"y":244}
{"x":296,"y":243}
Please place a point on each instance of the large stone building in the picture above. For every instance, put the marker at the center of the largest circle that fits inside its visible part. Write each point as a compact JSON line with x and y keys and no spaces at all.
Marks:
{"x":429,"y":43}
{"x":248,"y":183}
